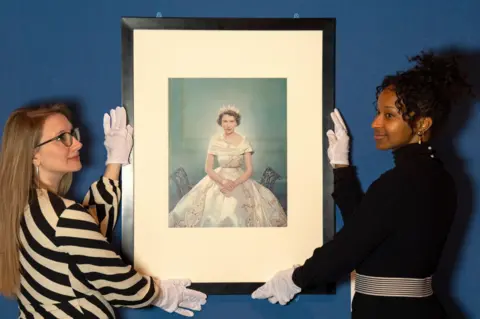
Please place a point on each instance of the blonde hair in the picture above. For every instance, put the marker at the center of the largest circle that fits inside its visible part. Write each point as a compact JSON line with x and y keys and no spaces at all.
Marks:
{"x":18,"y":180}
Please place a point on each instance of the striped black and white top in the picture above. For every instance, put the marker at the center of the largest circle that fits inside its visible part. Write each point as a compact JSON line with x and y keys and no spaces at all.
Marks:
{"x":69,"y":268}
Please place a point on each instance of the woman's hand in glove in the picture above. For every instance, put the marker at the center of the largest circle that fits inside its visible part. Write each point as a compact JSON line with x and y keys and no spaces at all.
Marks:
{"x":280,"y":288}
{"x":174,"y":296}
{"x":338,"y":141}
{"x":118,"y":136}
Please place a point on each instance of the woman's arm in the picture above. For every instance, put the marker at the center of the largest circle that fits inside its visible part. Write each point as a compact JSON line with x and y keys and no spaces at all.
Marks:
{"x":103,"y":199}
{"x":376,"y":220}
{"x":248,"y":170}
{"x":112,"y":171}
{"x":347,"y":191}
{"x":98,"y":265}
{"x":372,"y":224}
{"x":210,"y":171}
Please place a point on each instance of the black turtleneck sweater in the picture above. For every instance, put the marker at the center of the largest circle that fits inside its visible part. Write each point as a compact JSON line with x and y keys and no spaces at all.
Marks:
{"x":397,"y":228}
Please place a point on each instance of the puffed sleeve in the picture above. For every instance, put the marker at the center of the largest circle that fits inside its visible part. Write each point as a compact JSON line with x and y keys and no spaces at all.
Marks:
{"x":102,"y":201}
{"x":98,"y":266}
{"x":213,"y":145}
{"x":347,"y":191}
{"x":368,"y":227}
{"x":248,"y":148}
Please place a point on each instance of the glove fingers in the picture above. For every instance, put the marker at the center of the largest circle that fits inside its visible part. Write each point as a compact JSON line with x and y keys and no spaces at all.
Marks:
{"x":331,"y":137}
{"x":262,"y":293}
{"x":194,"y":295}
{"x":336,"y":122}
{"x":283,"y":299}
{"x":184,"y":312}
{"x":121,"y":117}
{"x":129,"y":130}
{"x":180,"y":282}
{"x":191,"y":305}
{"x":106,"y":123}
{"x":340,"y":120}
{"x":113,"y":116}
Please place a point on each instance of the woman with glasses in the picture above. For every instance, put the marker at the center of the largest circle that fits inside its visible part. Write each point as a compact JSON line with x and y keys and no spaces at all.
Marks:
{"x":55,"y":254}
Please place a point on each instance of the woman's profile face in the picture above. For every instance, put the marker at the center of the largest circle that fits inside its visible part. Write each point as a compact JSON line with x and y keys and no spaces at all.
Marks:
{"x":55,"y":157}
{"x":229,"y":123}
{"x":390,"y":129}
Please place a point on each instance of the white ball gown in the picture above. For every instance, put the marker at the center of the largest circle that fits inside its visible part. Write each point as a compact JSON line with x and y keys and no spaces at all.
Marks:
{"x":250,"y":204}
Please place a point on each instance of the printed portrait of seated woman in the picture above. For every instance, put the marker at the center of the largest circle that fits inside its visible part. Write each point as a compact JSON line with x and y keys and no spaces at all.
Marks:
{"x":228,"y":196}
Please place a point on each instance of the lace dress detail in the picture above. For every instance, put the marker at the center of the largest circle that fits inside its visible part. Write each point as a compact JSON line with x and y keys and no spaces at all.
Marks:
{"x":248,"y":205}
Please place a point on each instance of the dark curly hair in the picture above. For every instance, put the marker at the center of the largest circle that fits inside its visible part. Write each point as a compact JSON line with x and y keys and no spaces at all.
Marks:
{"x":429,"y":89}
{"x":231,"y":113}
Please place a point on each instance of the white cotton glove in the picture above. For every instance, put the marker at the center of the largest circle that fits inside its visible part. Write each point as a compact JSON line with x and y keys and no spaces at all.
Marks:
{"x":174,"y":296}
{"x":279,"y":289}
{"x":118,"y":136}
{"x":338,"y":141}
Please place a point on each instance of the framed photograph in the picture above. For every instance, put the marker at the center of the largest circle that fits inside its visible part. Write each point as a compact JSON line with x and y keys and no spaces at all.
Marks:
{"x":230,"y":180}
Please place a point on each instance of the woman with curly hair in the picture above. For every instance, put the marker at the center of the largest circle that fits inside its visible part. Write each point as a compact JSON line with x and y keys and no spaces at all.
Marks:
{"x":394,"y":233}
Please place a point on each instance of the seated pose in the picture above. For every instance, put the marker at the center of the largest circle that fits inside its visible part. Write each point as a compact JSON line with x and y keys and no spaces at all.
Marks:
{"x":394,"y":233}
{"x":227,"y":196}
{"x":55,"y":254}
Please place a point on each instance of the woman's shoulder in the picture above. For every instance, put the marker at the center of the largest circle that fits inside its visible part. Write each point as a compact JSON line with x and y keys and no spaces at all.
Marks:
{"x":392,"y":180}
{"x":405,"y":181}
{"x":246,"y":144}
{"x":244,"y":137}
{"x":49,"y":201}
{"x":45,"y":210}
{"x":216,"y":137}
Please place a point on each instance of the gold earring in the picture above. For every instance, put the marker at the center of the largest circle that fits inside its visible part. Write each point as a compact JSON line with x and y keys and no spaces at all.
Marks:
{"x":419,"y":137}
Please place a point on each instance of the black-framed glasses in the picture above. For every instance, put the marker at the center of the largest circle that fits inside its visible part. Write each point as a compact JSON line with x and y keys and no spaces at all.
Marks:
{"x":66,"y":138}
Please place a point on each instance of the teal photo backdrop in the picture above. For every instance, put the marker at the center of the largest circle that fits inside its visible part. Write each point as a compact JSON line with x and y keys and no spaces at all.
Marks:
{"x":71,"y":49}
{"x":193,"y":111}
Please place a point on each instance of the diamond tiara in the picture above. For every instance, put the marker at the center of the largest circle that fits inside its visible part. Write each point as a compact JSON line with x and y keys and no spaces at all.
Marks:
{"x":228,"y":107}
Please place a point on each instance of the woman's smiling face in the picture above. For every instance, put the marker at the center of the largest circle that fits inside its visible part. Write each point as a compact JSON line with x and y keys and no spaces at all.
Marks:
{"x":390,"y":129}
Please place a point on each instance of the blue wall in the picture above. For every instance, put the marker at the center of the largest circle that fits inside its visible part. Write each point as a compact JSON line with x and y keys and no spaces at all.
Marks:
{"x":72,"y":49}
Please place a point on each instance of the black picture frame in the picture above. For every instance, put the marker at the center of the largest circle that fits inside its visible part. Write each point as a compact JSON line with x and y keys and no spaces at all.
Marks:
{"x":326,"y":25}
